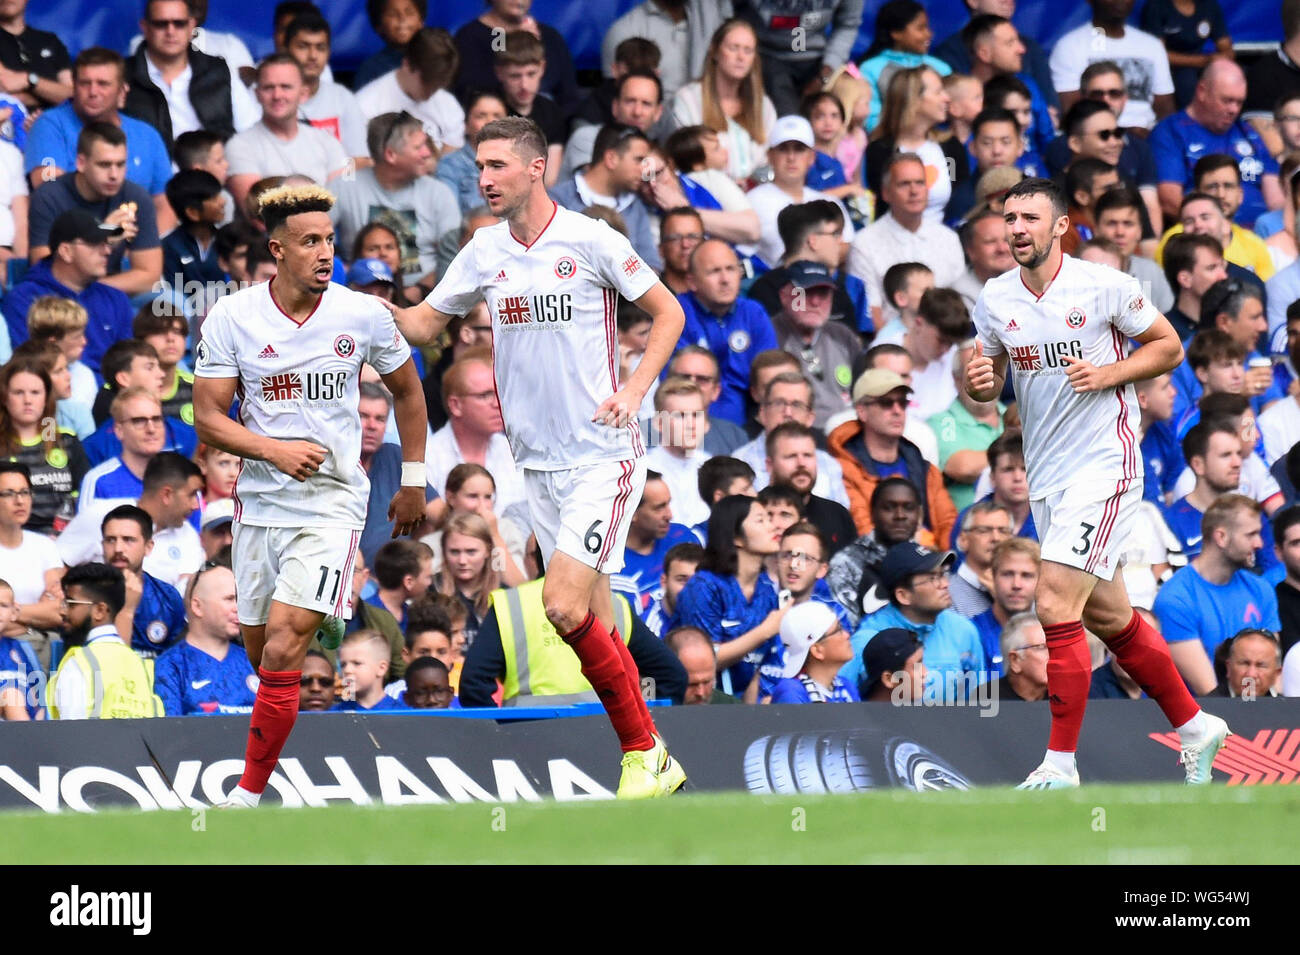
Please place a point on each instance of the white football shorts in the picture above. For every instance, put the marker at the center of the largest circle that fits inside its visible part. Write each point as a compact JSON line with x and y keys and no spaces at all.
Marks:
{"x":1085,"y":526}
{"x":586,"y":511}
{"x":301,"y":567}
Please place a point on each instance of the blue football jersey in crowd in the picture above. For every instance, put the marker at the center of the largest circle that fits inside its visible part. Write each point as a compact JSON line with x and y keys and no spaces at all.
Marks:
{"x":1178,"y":142}
{"x":639,"y":578}
{"x":159,"y":619}
{"x":386,"y":702}
{"x":1162,"y":458}
{"x":104,"y":443}
{"x":1184,"y":519}
{"x":1189,"y":607}
{"x":990,"y":632}
{"x":795,"y":690}
{"x":716,"y":605}
{"x":657,"y":619}
{"x":192,"y":682}
{"x":21,"y":671}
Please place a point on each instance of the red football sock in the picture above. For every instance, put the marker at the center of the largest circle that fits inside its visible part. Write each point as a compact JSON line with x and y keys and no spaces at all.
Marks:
{"x":1144,"y":655}
{"x":634,"y":680}
{"x":1069,"y":676}
{"x":274,"y":713}
{"x":603,"y":668}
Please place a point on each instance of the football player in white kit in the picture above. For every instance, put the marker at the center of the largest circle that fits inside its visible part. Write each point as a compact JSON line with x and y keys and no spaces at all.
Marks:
{"x":292,"y":349}
{"x":1061,"y":326}
{"x":551,"y":278}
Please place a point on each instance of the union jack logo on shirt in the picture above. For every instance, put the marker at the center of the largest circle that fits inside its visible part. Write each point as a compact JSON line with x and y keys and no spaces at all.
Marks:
{"x":632,"y":265}
{"x":514,"y":310}
{"x":1026,"y":358}
{"x":283,"y":387}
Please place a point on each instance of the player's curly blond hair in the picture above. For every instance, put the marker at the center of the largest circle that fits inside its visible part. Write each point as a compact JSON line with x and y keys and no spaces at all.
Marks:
{"x":278,"y":204}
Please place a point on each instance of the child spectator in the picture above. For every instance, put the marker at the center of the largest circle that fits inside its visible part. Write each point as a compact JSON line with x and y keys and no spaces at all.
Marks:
{"x":363,"y":660}
{"x":816,"y":647}
{"x":428,"y":686}
{"x":63,"y":322}
{"x":71,"y":415}
{"x":189,"y":252}
{"x":904,"y":285}
{"x":204,"y":150}
{"x":902,"y":38}
{"x":167,"y":333}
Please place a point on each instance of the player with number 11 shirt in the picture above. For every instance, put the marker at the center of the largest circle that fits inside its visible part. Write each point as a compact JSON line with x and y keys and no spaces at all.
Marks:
{"x":1061,"y":327}
{"x":551,"y":279}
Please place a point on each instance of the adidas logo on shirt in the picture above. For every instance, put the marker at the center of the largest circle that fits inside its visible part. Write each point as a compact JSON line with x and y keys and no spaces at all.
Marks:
{"x":1012,"y":326}
{"x":268,"y":352}
{"x":501,"y":276}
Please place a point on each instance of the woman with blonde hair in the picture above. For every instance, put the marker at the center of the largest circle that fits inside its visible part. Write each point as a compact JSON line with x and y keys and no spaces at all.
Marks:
{"x":915,"y":106}
{"x":469,"y":567}
{"x":729,"y":98}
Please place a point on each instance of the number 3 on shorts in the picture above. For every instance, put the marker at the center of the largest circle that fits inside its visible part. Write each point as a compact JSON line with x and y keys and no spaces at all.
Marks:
{"x":591,"y":540}
{"x":1085,"y":541}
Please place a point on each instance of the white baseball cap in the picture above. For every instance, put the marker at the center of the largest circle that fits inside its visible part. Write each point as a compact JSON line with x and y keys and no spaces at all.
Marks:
{"x":791,"y":129}
{"x":802,"y":626}
{"x":220,"y":511}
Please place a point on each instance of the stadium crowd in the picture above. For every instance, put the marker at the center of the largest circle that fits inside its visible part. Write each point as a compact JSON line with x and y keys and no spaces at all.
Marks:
{"x":828,"y":517}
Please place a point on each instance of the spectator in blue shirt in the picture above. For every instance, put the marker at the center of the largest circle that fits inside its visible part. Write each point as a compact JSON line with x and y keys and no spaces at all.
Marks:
{"x":816,"y":646}
{"x":732,"y":600}
{"x":1212,"y":123}
{"x":679,"y":567}
{"x":953,"y":51}
{"x":190,"y":250}
{"x":207,"y":673}
{"x":153,"y":618}
{"x":735,"y":329}
{"x":1016,"y":563}
{"x":98,"y":84}
{"x":699,"y":364}
{"x":1162,"y":455}
{"x":649,"y":538}
{"x":1216,"y":595}
{"x":21,"y":674}
{"x":915,"y":579}
{"x":428,"y":686}
{"x":363,"y":661}
{"x":893,"y":667}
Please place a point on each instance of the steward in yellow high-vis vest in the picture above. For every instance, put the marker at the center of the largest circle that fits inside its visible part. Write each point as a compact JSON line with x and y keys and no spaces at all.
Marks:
{"x":541,"y":669}
{"x":100,"y":677}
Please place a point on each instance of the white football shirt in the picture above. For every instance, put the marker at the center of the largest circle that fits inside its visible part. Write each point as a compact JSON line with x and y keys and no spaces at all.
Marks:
{"x":554,"y":342}
{"x":1088,"y":311}
{"x":300,"y":382}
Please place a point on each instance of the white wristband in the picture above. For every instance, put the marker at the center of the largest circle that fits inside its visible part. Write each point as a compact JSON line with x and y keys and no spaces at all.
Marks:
{"x":413,"y":474}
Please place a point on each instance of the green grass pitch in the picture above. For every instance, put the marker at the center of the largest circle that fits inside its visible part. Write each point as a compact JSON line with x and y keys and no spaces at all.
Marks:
{"x":1096,"y":824}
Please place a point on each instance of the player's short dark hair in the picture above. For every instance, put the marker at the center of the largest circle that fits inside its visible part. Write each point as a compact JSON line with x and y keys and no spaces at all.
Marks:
{"x":718,"y":473}
{"x":615,"y":137}
{"x":1196,"y":442}
{"x":1082,"y":173}
{"x":1213,"y":163}
{"x":277,"y":205}
{"x":93,"y":133}
{"x":1284,"y":520}
{"x":100,"y":582}
{"x":149,"y":321}
{"x":130,"y":512}
{"x":1080,"y":113}
{"x":397,"y":559}
{"x":234,"y":234}
{"x":525,"y":137}
{"x":788,"y":429}
{"x":1212,"y":344}
{"x":1226,"y":297}
{"x":892,"y":482}
{"x":119,"y":357}
{"x":17,"y":467}
{"x":687,"y":552}
{"x":1038,"y":186}
{"x":1122,"y":196}
{"x":808,"y":529}
{"x":1180,"y":254}
{"x":978,"y":30}
{"x":638,"y":53}
{"x":944,"y":309}
{"x":1007,"y":443}
{"x":799,"y":220}
{"x":375,"y":10}
{"x":990,"y":115}
{"x":169,"y":469}
{"x":725,"y":520}
{"x":308,"y":22}
{"x":897,"y":276}
{"x":781,"y":494}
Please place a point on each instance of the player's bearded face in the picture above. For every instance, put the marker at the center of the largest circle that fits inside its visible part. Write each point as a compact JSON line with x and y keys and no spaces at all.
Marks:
{"x":1031,"y":230}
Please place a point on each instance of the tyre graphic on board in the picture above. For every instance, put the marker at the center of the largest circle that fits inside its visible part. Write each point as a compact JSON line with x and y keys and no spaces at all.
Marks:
{"x":845,"y":762}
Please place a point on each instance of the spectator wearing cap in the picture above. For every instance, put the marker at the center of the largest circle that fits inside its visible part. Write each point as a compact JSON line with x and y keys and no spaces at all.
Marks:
{"x":826,"y":350}
{"x":903,"y":234}
{"x":698,"y":657}
{"x":790,"y":152}
{"x":915,"y":579}
{"x":893,"y":667}
{"x":374,"y":277}
{"x":78,"y":260}
{"x":733,"y":328}
{"x":872,"y":447}
{"x":216,"y":527}
{"x":419,"y":87}
{"x":816,"y":647}
{"x":1024,"y":658}
{"x":153,"y":617}
{"x":419,"y":209}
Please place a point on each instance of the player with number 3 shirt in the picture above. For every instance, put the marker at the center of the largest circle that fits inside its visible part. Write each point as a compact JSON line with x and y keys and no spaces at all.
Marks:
{"x":551,"y":279}
{"x":1061,"y":328}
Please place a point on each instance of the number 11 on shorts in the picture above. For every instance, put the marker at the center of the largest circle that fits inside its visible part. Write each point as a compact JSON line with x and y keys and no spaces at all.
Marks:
{"x":324,"y":581}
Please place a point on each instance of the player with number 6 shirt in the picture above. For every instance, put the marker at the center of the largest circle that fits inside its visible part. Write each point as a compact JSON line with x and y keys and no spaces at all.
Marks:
{"x":552,"y":279}
{"x":1061,"y":327}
